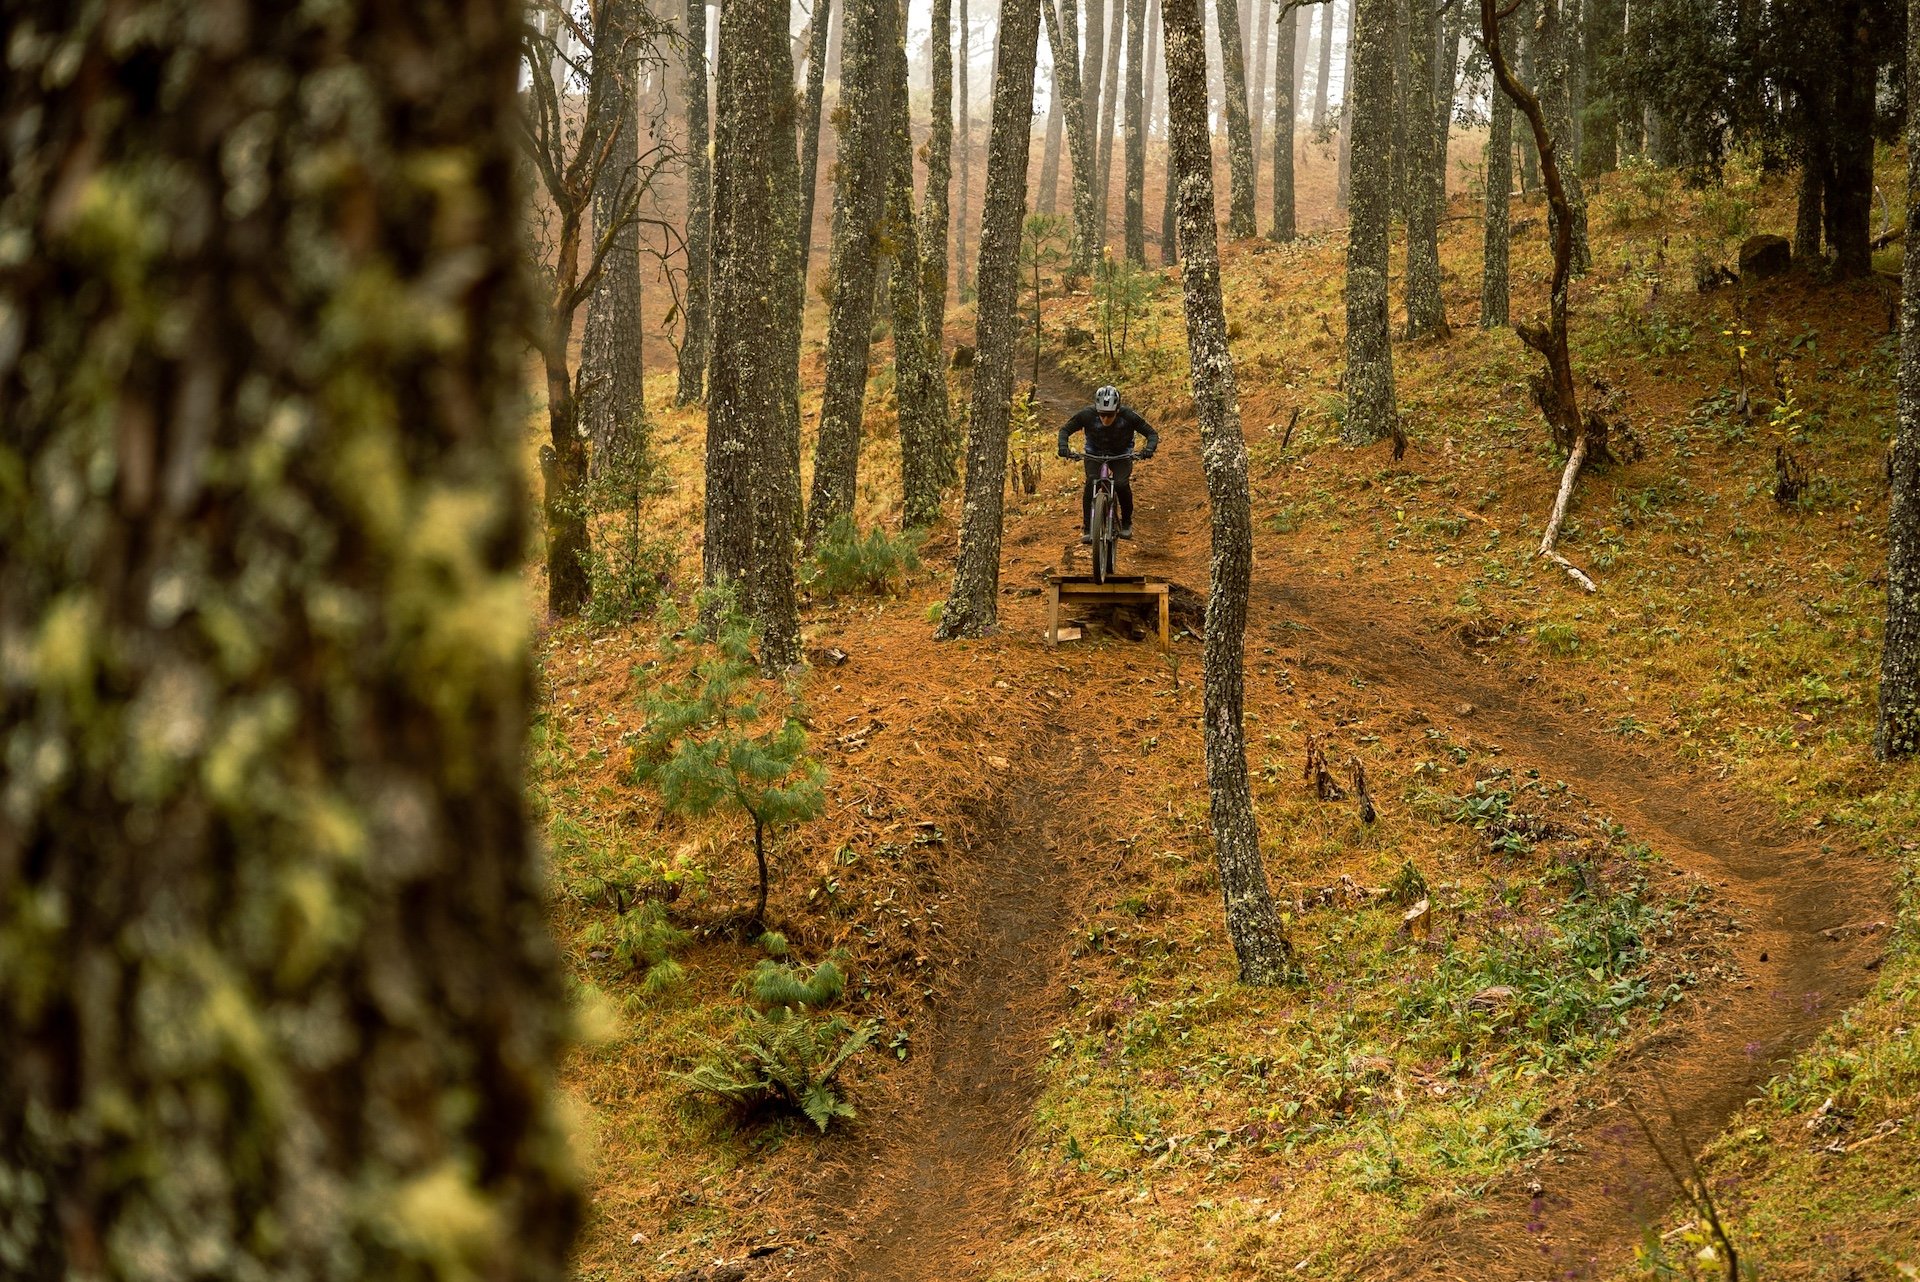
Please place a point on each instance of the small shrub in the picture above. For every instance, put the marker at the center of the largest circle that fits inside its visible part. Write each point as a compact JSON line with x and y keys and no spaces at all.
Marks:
{"x":845,"y":562}
{"x":629,"y":567}
{"x":788,"y":1056}
{"x":1558,"y":639}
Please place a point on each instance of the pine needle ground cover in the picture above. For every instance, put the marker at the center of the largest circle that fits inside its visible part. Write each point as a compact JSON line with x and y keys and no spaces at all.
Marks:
{"x":1183,"y":1127}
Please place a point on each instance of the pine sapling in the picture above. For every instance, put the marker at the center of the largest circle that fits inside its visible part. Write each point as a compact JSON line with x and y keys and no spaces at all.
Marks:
{"x":711,"y":741}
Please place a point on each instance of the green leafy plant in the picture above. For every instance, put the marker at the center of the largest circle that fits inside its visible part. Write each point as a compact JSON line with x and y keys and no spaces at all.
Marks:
{"x":787,"y":1055}
{"x":1043,"y":243}
{"x":712,"y":742}
{"x":878,"y":563}
{"x":1124,"y":288}
{"x":629,"y":567}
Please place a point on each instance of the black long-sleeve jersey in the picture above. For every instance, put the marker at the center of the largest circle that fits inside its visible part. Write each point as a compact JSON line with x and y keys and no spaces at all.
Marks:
{"x":1102,"y":439}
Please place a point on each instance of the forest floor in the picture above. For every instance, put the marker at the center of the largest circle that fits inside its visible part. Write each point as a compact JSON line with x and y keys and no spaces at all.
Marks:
{"x":1670,"y":893}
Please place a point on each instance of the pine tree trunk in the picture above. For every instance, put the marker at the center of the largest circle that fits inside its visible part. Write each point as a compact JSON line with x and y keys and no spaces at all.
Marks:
{"x":1156,"y":69}
{"x":1098,"y":92}
{"x":1320,"y":89}
{"x":1259,"y":944}
{"x":1240,"y":216}
{"x":963,"y":65}
{"x":860,"y":169}
{"x":1446,"y":83}
{"x":1426,"y":311}
{"x":1343,"y":180}
{"x":1371,"y":411}
{"x":818,"y":42}
{"x":922,"y":432}
{"x":1284,"y":225}
{"x":1257,"y":103}
{"x":1402,"y":76}
{"x":934,"y":216}
{"x":1063,"y":40}
{"x":973,"y":606}
{"x":1050,"y":157}
{"x":693,"y":349}
{"x":1897,"y":733}
{"x":776,"y":468}
{"x":1529,"y":42}
{"x":1103,"y":178}
{"x":1606,"y":21}
{"x":1555,"y":98}
{"x":278,"y":991}
{"x":1810,"y":212}
{"x":1135,"y":182}
{"x":1494,"y":289}
{"x":1302,"y":38}
{"x":612,"y":405}
{"x":1849,"y":178}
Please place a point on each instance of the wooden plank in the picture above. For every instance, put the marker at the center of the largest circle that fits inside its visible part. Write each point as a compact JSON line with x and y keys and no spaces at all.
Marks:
{"x":1053,"y":614}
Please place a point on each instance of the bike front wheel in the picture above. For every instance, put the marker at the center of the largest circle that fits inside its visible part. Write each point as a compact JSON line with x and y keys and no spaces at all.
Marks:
{"x":1105,"y":535}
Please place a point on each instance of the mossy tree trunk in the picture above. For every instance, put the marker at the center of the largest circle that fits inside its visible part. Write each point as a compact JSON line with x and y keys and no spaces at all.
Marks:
{"x":612,"y":368}
{"x":1371,"y":411}
{"x":1556,"y":97}
{"x":1103,"y":123}
{"x":277,"y":997}
{"x":693,"y":347}
{"x":1285,"y":226}
{"x":1064,"y":41}
{"x":1326,"y":65}
{"x":1494,"y":288}
{"x":752,"y":471}
{"x":972,"y":607}
{"x":1259,"y":944}
{"x":922,"y":426}
{"x":1898,"y":732}
{"x":1134,"y":183}
{"x":1233,"y":62}
{"x":935,"y":214}
{"x":1425,"y":170}
{"x":859,"y":189}
{"x":817,"y":41}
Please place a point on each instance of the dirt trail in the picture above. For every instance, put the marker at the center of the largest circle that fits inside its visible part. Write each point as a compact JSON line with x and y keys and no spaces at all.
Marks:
{"x":935,"y":1187}
{"x":1574,"y":1215}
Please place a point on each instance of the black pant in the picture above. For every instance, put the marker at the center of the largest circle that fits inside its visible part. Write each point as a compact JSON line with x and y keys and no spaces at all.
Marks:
{"x":1123,"y":488}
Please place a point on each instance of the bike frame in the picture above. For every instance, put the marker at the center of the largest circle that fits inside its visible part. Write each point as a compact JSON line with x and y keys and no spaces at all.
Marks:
{"x":1105,"y":540}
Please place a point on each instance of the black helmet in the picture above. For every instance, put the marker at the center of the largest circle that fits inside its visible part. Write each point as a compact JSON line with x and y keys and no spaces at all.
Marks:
{"x":1107,"y":400}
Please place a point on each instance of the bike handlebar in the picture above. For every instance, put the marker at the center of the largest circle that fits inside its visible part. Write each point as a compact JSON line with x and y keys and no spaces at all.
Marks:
{"x":1105,"y":458}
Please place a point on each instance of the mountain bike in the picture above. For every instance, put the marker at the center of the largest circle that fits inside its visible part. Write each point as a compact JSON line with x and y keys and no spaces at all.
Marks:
{"x":1104,"y":523}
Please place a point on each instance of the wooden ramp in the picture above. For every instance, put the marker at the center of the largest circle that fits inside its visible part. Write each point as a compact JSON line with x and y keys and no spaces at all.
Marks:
{"x":1080,"y":590}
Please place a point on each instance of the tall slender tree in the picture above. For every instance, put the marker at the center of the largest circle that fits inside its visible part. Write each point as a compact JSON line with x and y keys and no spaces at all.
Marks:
{"x":1135,"y":181}
{"x":858,"y":201}
{"x":934,"y":217}
{"x":1897,"y":733}
{"x":1424,"y":172}
{"x":817,"y":43}
{"x":972,"y":607}
{"x":1262,"y":58}
{"x":1320,"y":95}
{"x":1284,"y":225}
{"x":751,"y":474}
{"x":278,"y":998}
{"x":1050,"y":154}
{"x":1343,"y":182}
{"x":1556,"y":98}
{"x":1259,"y":944}
{"x":1063,"y":39}
{"x":1098,"y":92}
{"x":612,"y":357}
{"x":922,"y":429}
{"x":1233,"y":63}
{"x":1156,"y":67}
{"x":693,"y":347}
{"x":1371,"y":410}
{"x":1494,"y":290}
{"x":1109,"y":110}
{"x":963,"y":66}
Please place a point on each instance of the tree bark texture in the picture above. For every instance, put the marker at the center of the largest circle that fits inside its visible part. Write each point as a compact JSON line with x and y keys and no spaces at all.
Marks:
{"x":1849,"y":177}
{"x":1810,"y":209}
{"x":1156,"y":66}
{"x":1424,"y":172}
{"x":1109,"y":108}
{"x":1063,"y":39}
{"x":1556,"y":99}
{"x":612,"y":369}
{"x":1134,"y":183}
{"x":1257,"y":103}
{"x":1494,"y":288}
{"x":1446,"y":83}
{"x":972,"y":608}
{"x":277,"y":997}
{"x":964,"y":111}
{"x":1326,"y":66}
{"x":1050,"y":155}
{"x":1343,"y":178}
{"x":1302,"y":37}
{"x":752,"y":449}
{"x":1605,"y":42}
{"x":1400,"y":183}
{"x":922,"y":431}
{"x":1529,"y":43}
{"x":1097,"y":89}
{"x":823,"y":23}
{"x":1371,"y":411}
{"x":934,"y":217}
{"x":859,"y":188}
{"x":1897,"y":733}
{"x":693,"y":348}
{"x":1259,"y":944}
{"x":1284,"y":225}
{"x":1240,"y":190}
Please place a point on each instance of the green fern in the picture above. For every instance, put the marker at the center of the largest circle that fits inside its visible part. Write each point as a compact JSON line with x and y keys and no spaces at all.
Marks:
{"x":783,"y":1060}
{"x":778,"y":985}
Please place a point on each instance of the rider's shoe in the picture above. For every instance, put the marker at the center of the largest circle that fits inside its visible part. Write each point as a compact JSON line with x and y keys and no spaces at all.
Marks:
{"x":1087,"y":539}
{"x":1126,"y":531}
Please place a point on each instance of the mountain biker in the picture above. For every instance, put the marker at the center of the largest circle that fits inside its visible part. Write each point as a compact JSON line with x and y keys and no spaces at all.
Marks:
{"x":1109,"y":430}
